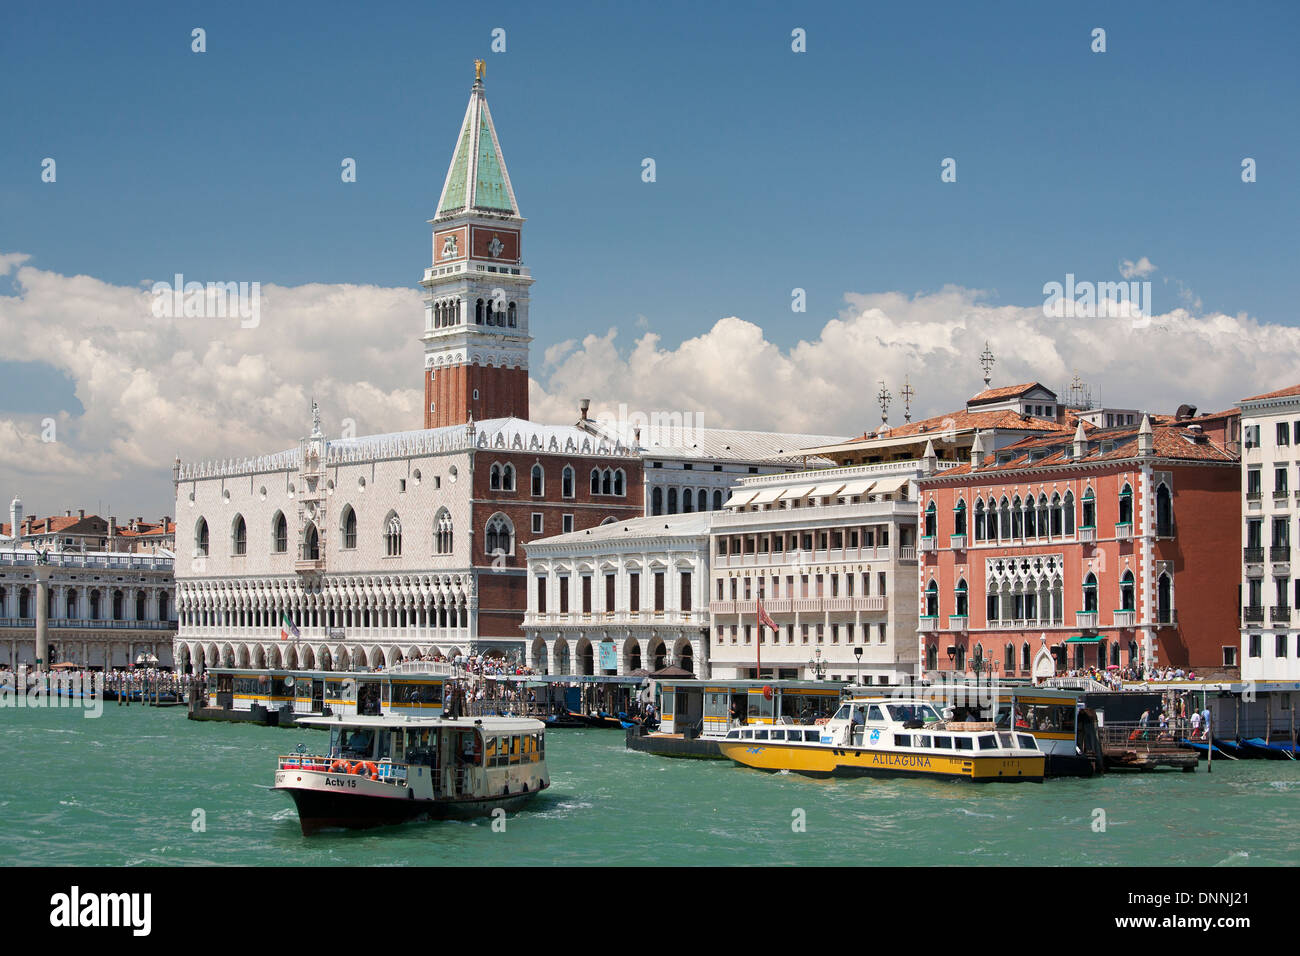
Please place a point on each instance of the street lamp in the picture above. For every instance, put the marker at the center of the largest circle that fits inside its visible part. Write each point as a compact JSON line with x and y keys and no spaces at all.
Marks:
{"x":817,"y":666}
{"x":857,"y":652}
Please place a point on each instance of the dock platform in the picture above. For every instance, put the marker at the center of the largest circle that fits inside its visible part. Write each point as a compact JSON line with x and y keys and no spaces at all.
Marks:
{"x":1132,"y":746}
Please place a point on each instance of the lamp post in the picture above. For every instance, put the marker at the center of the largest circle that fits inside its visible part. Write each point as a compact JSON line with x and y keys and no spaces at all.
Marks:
{"x":817,"y":665}
{"x":857,"y":652}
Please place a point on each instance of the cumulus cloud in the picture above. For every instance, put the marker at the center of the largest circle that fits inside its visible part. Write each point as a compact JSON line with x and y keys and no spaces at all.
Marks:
{"x":1136,"y":270}
{"x":155,"y":387}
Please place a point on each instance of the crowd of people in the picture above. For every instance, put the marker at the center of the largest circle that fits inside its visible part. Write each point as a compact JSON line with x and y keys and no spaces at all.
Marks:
{"x":1115,"y":677}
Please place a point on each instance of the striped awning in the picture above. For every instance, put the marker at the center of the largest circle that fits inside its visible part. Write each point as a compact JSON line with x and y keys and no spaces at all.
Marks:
{"x":741,"y":498}
{"x":767,"y":496}
{"x":856,"y":488}
{"x":887,"y":486}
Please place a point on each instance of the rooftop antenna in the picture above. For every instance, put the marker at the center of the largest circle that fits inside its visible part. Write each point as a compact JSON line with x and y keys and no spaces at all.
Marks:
{"x":884,"y":398}
{"x":986,"y":360}
{"x":908,"y":394}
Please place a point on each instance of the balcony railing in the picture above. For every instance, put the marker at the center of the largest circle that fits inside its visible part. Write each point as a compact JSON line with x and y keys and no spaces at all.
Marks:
{"x":1253,"y":613}
{"x":1124,"y":531}
{"x":1086,"y":620}
{"x":1281,"y":612}
{"x":928,"y":544}
{"x":957,"y":622}
{"x":958,"y":542}
{"x":1125,"y":618}
{"x":928,"y":624}
{"x":1279,"y":552}
{"x":1281,"y":494}
{"x":1088,"y":535}
{"x":1167,"y":616}
{"x":1253,"y":555}
{"x":1254,"y":495}
{"x":907,"y":554}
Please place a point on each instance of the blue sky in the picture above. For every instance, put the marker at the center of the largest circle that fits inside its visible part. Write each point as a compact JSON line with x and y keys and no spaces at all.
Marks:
{"x":775,"y":170}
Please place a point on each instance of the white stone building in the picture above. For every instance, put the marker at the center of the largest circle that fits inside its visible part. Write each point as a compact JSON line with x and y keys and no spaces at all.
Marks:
{"x":832,"y":555}
{"x":624,"y":596}
{"x":95,"y":609}
{"x":1270,"y":591}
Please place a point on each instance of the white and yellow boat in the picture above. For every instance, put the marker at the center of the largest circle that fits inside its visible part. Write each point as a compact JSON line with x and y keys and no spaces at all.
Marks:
{"x":891,"y":738}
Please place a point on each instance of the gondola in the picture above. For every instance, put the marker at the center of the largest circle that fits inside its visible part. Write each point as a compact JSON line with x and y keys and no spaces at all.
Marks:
{"x":1259,"y":747}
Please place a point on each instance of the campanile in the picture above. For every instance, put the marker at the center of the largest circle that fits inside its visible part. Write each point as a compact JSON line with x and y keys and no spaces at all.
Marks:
{"x":476,"y":291}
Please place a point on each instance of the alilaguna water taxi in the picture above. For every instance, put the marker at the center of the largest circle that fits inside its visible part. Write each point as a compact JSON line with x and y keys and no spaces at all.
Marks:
{"x":388,"y":769}
{"x":889,"y":737}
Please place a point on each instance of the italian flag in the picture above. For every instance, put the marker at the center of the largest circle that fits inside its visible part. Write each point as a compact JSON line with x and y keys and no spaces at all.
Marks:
{"x":287,"y":627}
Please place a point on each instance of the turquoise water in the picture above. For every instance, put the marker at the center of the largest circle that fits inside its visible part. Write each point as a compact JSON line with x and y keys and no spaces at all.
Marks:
{"x":121,"y":791}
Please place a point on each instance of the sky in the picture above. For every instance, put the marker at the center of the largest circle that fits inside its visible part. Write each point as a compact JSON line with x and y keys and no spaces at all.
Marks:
{"x":776,"y":170}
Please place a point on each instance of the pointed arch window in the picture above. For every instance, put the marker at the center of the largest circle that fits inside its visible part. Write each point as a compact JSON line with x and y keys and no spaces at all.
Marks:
{"x":1089,"y":510}
{"x":566,"y":482}
{"x":443,"y":537}
{"x":392,"y":535}
{"x":499,"y":536}
{"x":1125,"y":505}
{"x":1164,"y":512}
{"x":1090,"y":594}
{"x":703,"y":501}
{"x":349,"y":528}
{"x":512,"y":315}
{"x":1126,"y":592}
{"x":1033,"y":526}
{"x":1024,"y":656}
{"x":960,"y":594}
{"x":508,"y":477}
{"x":494,"y":478}
{"x":1004,"y":519}
{"x":279,"y":533}
{"x":606,"y":482}
{"x":1017,"y":518}
{"x":932,"y":658}
{"x":201,"y":538}
{"x":981,"y":529}
{"x":595,"y":481}
{"x":931,"y":520}
{"x":717,"y":501}
{"x":619,"y":480}
{"x":1009,"y":659}
{"x":1165,"y":599}
{"x":478,"y":312}
{"x":311,"y":544}
{"x":1057,"y":517}
{"x":538,"y":481}
{"x":932,"y":599}
{"x":239,"y":536}
{"x":1067,"y":511}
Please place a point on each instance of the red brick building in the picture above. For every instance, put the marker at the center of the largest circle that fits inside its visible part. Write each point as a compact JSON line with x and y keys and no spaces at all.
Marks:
{"x":1116,"y":547}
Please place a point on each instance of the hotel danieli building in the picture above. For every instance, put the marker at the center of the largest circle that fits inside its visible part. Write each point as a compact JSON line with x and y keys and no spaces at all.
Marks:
{"x":390,"y":546}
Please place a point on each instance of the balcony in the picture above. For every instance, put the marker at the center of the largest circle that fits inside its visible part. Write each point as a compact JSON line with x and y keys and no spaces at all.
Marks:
{"x":957,"y":622}
{"x":1086,"y":620}
{"x":1125,"y":618}
{"x":928,"y":624}
{"x":722,"y":607}
{"x":1087,"y":535}
{"x":873,"y":602}
{"x":1166,"y":617}
{"x":1252,"y":555}
{"x":928,"y":544}
{"x":1281,"y":494}
{"x":907,"y":555}
{"x":1279,"y":553}
{"x":1124,"y":531}
{"x":1280,"y":613}
{"x":1253,"y":613}
{"x":958,"y":542}
{"x":309,"y":566}
{"x":1254,"y":495}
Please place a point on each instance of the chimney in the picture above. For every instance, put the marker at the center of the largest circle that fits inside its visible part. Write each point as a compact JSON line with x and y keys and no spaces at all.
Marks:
{"x":977,"y":452}
{"x":1080,"y":442}
{"x":67,"y":513}
{"x":49,"y":525}
{"x":81,"y":512}
{"x":1146,"y":439}
{"x":584,"y":404}
{"x":112,"y":526}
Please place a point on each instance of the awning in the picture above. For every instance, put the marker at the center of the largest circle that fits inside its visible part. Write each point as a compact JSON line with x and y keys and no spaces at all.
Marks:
{"x":741,"y":498}
{"x":887,"y":486}
{"x":827,"y":491}
{"x":796,"y":494}
{"x":767,"y":495}
{"x":1083,"y":640}
{"x":856,"y":488}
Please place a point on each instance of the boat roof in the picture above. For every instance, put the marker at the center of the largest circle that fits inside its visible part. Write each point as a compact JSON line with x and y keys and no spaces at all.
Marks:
{"x":503,"y":725}
{"x":328,"y":675}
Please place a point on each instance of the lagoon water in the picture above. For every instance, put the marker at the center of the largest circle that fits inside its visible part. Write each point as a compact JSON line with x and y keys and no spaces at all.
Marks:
{"x":122,"y":790}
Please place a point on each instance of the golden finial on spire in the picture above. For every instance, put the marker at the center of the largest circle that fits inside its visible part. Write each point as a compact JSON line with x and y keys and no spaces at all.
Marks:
{"x":479,"y":69}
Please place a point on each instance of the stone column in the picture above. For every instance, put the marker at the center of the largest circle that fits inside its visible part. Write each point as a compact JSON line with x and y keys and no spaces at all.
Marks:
{"x":42,"y":618}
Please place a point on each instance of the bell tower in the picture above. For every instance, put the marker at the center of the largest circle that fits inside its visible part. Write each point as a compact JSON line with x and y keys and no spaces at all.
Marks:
{"x":476,"y":291}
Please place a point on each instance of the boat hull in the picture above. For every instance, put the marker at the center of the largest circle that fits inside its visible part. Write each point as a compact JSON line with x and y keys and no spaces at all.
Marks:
{"x":826,"y":761}
{"x":331,"y":810}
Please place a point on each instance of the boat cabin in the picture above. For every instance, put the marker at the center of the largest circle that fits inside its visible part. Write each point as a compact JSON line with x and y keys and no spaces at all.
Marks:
{"x":711,"y":707}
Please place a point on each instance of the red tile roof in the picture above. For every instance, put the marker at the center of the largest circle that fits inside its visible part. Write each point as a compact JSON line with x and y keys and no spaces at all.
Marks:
{"x":1280,"y":393}
{"x":963,"y":421}
{"x":1006,"y":391}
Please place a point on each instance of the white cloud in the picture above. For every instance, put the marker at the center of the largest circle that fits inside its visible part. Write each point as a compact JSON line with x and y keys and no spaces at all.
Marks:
{"x":154,"y":388}
{"x":1139,"y":270}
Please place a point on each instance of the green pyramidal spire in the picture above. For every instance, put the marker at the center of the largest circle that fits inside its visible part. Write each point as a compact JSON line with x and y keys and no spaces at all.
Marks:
{"x":477,"y":180}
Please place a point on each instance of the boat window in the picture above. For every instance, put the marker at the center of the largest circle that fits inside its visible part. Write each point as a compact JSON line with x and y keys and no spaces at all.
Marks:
{"x":920,"y":740}
{"x":875,"y":713}
{"x":963,"y":743}
{"x":746,"y":735}
{"x":902,"y":740}
{"x":944,"y":742}
{"x":923,"y":712}
{"x":778,"y":735}
{"x":405,"y":694}
{"x":1027,"y":742}
{"x":988,"y":742}
{"x":334,"y":741}
{"x":490,"y":751}
{"x":842,"y":713}
{"x":813,"y":735}
{"x":733,"y":734}
{"x":1006,"y":740}
{"x":760,"y":735}
{"x":1054,"y":718}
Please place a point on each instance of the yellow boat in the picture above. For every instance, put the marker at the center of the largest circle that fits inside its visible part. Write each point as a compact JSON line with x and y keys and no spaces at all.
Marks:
{"x":889,"y":737}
